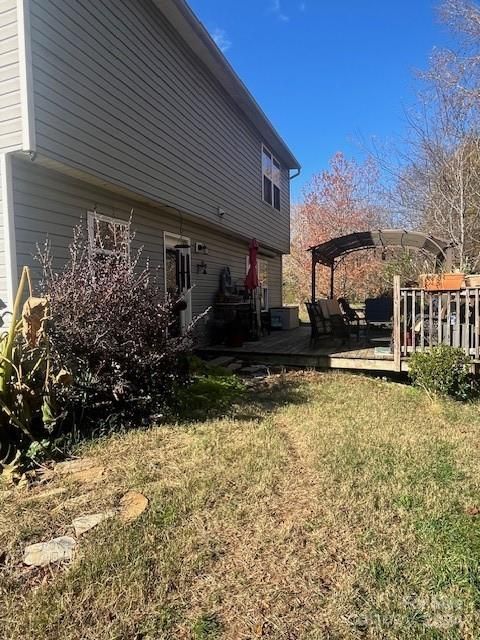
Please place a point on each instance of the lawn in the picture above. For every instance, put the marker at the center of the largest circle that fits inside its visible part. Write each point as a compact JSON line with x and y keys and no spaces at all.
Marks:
{"x":326,"y":506}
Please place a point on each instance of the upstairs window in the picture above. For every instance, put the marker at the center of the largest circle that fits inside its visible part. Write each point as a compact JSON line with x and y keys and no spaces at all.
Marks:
{"x":107,"y":235}
{"x":271,"y":171}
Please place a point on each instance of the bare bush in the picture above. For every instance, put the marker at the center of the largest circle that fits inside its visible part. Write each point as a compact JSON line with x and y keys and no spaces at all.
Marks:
{"x":110,"y":327}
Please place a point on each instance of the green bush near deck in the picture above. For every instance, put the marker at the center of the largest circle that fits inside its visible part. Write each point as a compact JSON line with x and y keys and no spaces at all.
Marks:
{"x":443,"y":371}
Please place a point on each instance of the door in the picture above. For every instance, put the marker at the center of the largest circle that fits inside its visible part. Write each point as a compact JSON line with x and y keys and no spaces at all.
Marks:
{"x":178,"y":273}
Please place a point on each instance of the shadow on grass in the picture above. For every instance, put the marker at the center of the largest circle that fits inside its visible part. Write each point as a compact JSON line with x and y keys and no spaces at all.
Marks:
{"x":220,"y":394}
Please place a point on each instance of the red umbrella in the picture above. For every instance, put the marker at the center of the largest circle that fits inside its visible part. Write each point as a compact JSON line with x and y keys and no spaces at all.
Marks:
{"x":251,"y":281}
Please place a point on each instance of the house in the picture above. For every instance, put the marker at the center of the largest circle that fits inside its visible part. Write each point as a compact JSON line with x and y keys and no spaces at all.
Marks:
{"x":113,"y":107}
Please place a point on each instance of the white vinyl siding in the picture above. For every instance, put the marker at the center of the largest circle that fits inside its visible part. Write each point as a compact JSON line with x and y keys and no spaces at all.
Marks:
{"x":119,"y":95}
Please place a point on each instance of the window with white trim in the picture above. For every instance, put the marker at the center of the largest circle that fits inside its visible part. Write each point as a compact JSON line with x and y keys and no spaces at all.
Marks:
{"x":107,"y":235}
{"x":271,"y":174}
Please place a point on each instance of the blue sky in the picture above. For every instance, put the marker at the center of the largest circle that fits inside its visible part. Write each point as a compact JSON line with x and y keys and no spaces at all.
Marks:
{"x":327,"y":72}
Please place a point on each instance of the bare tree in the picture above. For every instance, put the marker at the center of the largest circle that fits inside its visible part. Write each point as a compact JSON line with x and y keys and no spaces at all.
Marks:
{"x":438,"y":184}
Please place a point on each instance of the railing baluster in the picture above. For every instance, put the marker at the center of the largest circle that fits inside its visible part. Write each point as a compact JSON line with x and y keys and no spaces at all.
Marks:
{"x":397,"y":314}
{"x":405,"y":313}
{"x":476,"y":320}
{"x":414,"y":305}
{"x":456,"y":334}
{"x":430,"y":319}
{"x":422,"y":320}
{"x":465,"y":343}
{"x":439,"y":320}
{"x":448,"y":337}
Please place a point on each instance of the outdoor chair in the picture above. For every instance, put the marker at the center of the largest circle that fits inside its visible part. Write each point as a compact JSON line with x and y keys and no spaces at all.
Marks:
{"x":340,"y":328}
{"x":378,"y":311}
{"x":326,"y":319}
{"x":317,"y":321}
{"x":351,"y":316}
{"x":339,"y":325}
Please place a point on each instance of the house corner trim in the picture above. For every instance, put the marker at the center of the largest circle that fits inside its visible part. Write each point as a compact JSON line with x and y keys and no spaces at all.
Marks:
{"x":26,"y":75}
{"x":11,"y":273}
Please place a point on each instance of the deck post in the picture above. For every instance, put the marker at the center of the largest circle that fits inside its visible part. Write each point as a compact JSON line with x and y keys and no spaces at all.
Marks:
{"x":314,"y":277}
{"x":397,"y":356}
{"x":332,"y":279}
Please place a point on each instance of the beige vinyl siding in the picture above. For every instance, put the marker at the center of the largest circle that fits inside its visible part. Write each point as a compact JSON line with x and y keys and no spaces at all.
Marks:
{"x":275,"y":281}
{"x":3,"y":279}
{"x":119,"y":95}
{"x":49,"y":203}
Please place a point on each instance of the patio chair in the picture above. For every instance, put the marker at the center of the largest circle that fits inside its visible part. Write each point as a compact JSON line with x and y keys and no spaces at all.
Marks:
{"x":339,"y":325}
{"x":378,"y":311}
{"x":317,"y":321}
{"x":351,"y":316}
{"x":326,"y":319}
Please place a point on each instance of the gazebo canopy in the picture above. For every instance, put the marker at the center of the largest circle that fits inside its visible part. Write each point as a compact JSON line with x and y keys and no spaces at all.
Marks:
{"x":327,"y":252}
{"x":331,"y":252}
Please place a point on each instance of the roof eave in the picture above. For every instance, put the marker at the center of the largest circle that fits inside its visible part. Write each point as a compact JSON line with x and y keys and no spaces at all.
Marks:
{"x":194,"y":33}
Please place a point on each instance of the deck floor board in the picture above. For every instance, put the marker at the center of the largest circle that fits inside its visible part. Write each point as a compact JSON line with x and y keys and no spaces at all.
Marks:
{"x":293,"y":348}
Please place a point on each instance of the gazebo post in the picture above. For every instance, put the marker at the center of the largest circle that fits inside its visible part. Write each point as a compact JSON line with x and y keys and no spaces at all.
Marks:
{"x":314,"y":277}
{"x":332,"y":279}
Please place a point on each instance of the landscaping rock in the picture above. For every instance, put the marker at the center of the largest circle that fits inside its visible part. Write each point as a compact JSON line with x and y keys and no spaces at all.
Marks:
{"x":255,"y":370}
{"x":94,"y":474}
{"x":85,"y":523}
{"x":221,"y":361}
{"x":132,"y":505}
{"x":87,"y":471}
{"x":74,"y":466}
{"x":234,"y":366}
{"x":44,"y":553}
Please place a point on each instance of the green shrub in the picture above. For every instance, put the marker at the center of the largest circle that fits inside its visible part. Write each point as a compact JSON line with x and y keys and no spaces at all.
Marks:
{"x":443,"y":370}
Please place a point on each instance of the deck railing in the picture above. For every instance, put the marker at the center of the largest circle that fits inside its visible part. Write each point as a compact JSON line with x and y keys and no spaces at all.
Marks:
{"x":423,"y":319}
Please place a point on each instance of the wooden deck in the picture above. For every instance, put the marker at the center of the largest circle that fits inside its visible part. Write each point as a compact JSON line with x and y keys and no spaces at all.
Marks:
{"x":292,"y":348}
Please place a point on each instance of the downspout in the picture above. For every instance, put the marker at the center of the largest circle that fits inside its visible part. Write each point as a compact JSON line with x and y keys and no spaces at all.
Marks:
{"x":295,"y":175}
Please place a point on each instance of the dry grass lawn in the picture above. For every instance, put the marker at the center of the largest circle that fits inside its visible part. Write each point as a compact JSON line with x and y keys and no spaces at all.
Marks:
{"x":326,"y":507}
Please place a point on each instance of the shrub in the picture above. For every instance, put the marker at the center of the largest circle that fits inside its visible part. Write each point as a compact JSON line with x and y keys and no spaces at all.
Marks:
{"x":110,"y":328}
{"x":443,"y":370}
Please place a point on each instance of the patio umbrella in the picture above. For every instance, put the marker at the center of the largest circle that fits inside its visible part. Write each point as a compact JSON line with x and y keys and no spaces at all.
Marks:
{"x":251,"y":284}
{"x":251,"y":281}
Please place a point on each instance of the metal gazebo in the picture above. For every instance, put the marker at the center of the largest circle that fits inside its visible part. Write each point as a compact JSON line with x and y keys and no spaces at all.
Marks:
{"x":331,"y":252}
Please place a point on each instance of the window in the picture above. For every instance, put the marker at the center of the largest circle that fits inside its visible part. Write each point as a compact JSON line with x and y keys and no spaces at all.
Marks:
{"x":271,"y":172}
{"x":108,"y":235}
